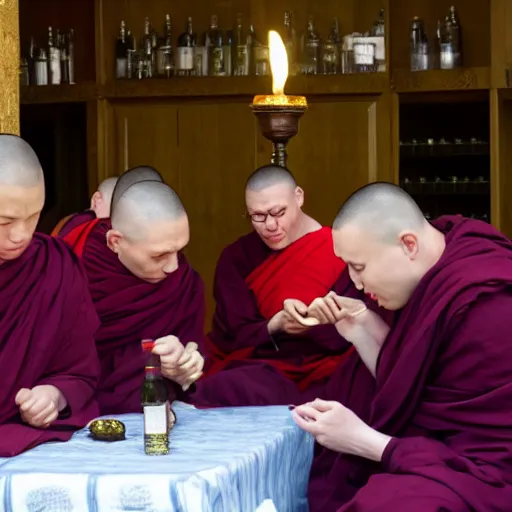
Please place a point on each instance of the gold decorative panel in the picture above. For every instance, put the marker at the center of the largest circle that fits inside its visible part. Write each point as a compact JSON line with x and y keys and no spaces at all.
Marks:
{"x":9,"y":67}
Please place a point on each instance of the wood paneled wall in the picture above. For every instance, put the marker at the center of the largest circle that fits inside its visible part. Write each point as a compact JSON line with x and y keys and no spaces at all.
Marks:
{"x":201,"y":135}
{"x":207,"y":150}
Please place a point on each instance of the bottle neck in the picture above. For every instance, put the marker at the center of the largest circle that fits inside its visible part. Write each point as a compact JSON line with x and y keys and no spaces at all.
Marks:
{"x":152,"y":368}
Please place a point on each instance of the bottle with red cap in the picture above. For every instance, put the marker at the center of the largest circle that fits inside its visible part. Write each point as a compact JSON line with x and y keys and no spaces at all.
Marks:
{"x":155,"y":404}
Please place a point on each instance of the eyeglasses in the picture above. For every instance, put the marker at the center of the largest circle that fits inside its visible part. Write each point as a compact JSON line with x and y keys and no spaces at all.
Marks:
{"x":262,"y":217}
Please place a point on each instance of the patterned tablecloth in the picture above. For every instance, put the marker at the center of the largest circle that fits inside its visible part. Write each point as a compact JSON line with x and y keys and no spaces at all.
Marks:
{"x":226,"y":460}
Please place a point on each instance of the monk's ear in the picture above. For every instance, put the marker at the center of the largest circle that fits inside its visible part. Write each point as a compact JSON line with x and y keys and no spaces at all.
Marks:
{"x":96,"y":197}
{"x":299,"y":195}
{"x":114,"y":238}
{"x":410,"y":244}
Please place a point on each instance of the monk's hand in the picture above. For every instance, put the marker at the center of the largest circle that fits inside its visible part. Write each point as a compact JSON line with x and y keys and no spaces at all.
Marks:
{"x":170,"y":349}
{"x":340,"y":429}
{"x":189,"y":367}
{"x":40,"y":406}
{"x":296,"y":319}
{"x":332,"y":308}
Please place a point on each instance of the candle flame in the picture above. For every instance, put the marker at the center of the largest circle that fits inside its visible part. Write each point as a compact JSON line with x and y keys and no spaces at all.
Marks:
{"x":278,"y":62}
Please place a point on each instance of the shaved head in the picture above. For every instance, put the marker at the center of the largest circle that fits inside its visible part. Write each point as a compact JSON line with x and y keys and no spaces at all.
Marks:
{"x":21,"y":195}
{"x":149,"y":229}
{"x":102,"y":198}
{"x":143,"y":204}
{"x":268,"y":176}
{"x":131,"y":176}
{"x":19,"y":165}
{"x":386,"y":242}
{"x":107,"y":186}
{"x":383,"y":209}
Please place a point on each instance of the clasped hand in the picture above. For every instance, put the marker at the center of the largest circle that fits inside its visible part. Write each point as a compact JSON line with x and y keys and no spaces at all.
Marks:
{"x":338,"y":428}
{"x":330,"y":309}
{"x":183,"y":365}
{"x":40,"y":406}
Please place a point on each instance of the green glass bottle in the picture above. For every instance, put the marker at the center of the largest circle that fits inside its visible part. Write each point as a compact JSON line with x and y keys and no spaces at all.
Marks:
{"x":155,"y":404}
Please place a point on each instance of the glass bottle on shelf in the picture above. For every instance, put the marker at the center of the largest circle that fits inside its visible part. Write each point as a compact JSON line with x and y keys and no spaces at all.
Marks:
{"x":290,"y":43}
{"x":24,"y":72}
{"x":71,"y":55}
{"x":331,"y":50}
{"x":132,"y":56}
{"x":122,"y":47}
{"x":53,"y":59}
{"x":379,"y":29}
{"x":201,"y":55}
{"x":260,"y":55}
{"x":227,"y":52}
{"x":311,"y":44}
{"x":64,"y":59}
{"x":347,"y":55}
{"x":455,"y":32}
{"x":418,"y":46}
{"x":436,"y":49}
{"x":41,"y":68}
{"x":32,"y":61}
{"x":185,"y":58}
{"x":147,"y":49}
{"x":240,"y":50}
{"x":165,"y":58}
{"x":216,"y":52}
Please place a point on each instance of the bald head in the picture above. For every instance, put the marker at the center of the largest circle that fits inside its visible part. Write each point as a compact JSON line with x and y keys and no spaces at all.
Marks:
{"x":132,"y":176}
{"x":106,"y":188}
{"x":102,"y":198}
{"x":268,"y":176}
{"x":144,"y":204}
{"x":383,"y":209}
{"x":19,"y":165}
{"x":21,"y":195}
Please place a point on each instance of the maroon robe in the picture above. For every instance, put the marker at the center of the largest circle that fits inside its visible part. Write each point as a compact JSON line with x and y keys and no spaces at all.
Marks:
{"x":130,"y":310}
{"x":254,"y":371}
{"x":73,"y":222}
{"x":47,"y":331}
{"x":443,"y":391}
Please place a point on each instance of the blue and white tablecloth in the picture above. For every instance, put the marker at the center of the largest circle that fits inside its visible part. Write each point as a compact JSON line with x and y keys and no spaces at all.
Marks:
{"x":225,"y":460}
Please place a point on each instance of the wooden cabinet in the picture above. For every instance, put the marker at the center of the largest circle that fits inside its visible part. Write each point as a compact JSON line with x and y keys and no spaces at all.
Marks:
{"x":202,"y":136}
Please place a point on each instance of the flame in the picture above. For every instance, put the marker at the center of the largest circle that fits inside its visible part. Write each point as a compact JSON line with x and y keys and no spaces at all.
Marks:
{"x":278,"y":62}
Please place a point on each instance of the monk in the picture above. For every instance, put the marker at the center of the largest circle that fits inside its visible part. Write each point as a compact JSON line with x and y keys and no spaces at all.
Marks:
{"x":143,"y":287}
{"x":75,"y":233}
{"x":259,"y":354}
{"x":438,"y":435}
{"x":99,"y":209}
{"x":48,"y":362}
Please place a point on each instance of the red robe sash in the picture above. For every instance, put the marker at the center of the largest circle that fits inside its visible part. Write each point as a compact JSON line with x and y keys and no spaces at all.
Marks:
{"x":77,"y":237}
{"x":60,"y":225}
{"x":305,"y":270}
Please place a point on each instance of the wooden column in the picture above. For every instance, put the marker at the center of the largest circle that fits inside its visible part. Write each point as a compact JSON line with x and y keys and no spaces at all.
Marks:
{"x":9,"y":67}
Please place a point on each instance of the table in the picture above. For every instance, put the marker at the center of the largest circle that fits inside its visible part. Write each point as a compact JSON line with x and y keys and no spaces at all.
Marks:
{"x":225,"y":460}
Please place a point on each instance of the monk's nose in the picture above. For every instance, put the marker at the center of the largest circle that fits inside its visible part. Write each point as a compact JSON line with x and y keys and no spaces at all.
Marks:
{"x":271,"y":223}
{"x":171,"y":265}
{"x":19,"y":234}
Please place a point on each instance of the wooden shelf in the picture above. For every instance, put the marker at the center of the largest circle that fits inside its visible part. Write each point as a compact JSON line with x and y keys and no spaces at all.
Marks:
{"x":463,"y":79}
{"x":76,"y":93}
{"x":371,"y":83}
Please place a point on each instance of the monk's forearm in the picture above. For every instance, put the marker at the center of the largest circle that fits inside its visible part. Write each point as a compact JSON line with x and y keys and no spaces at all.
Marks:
{"x":376,"y":328}
{"x":372,"y":445}
{"x":367,"y":337}
{"x":368,"y":351}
